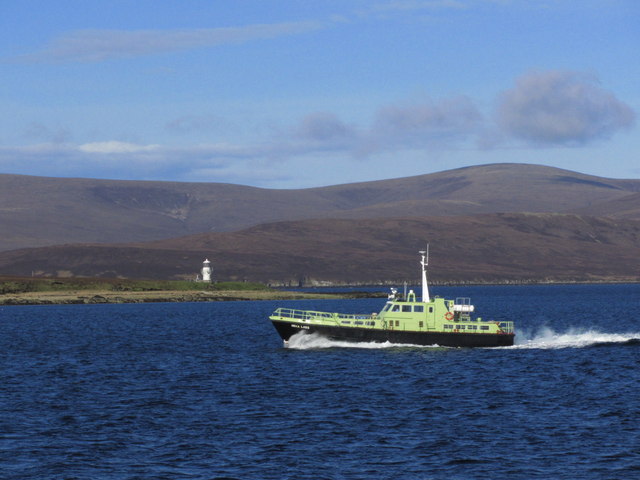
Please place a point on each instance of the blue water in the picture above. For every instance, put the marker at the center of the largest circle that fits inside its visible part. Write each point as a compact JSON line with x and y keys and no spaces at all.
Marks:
{"x":207,"y":390}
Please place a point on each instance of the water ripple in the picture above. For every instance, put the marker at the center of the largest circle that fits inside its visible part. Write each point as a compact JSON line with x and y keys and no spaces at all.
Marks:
{"x":196,"y":391}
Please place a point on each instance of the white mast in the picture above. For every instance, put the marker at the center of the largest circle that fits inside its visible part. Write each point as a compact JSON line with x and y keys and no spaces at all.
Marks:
{"x":424,"y":261}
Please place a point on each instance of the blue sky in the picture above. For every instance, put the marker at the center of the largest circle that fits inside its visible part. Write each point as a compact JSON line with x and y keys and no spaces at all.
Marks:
{"x":290,"y":94}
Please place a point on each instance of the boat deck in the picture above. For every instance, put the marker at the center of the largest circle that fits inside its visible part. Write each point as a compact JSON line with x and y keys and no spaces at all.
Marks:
{"x":375,"y":321}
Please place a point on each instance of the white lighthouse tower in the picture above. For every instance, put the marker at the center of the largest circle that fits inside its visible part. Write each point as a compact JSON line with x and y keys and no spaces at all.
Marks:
{"x":206,"y":270}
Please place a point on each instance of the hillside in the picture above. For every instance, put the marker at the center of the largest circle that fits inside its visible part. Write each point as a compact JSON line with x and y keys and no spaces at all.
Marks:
{"x":38,"y":211}
{"x":480,"y":248}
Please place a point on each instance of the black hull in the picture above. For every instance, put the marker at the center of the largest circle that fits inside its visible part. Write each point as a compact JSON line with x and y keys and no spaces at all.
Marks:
{"x":351,"y":334}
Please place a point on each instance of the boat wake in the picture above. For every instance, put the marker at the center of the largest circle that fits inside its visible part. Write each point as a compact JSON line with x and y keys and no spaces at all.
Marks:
{"x":543,"y":339}
{"x":310,"y":341}
{"x":573,"y":338}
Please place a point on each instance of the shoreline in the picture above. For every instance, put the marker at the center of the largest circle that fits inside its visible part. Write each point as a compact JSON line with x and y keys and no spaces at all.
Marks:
{"x":103,"y":296}
{"x":93,"y":297}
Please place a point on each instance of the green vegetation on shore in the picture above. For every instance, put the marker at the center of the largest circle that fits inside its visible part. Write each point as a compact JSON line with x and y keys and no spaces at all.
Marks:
{"x":59,"y":291}
{"x":16,"y":285}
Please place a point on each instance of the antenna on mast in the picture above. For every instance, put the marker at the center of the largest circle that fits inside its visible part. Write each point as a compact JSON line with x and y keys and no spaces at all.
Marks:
{"x":424,"y":261}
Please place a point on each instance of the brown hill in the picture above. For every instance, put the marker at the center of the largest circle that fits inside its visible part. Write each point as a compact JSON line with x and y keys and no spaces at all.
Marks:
{"x":37,"y":211}
{"x":480,"y":248}
{"x":623,"y":207}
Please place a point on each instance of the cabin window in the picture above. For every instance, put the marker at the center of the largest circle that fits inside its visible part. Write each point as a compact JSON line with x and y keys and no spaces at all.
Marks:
{"x":421,"y":324}
{"x":397,"y":323}
{"x":461,"y":327}
{"x":346,"y":322}
{"x":406,"y":308}
{"x":448,"y":327}
{"x":396,"y":308}
{"x":430,"y":309}
{"x":472,"y":327}
{"x":418,"y":308}
{"x":386,"y":307}
{"x":484,"y":327}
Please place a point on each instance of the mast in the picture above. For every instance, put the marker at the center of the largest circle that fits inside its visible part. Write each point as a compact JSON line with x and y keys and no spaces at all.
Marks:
{"x":424,"y":261}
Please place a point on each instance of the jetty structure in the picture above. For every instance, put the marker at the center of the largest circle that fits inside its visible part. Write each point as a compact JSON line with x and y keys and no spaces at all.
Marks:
{"x":404,"y":319}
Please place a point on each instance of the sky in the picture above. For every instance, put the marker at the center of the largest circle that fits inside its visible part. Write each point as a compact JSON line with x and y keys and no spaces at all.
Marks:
{"x":297,"y":93}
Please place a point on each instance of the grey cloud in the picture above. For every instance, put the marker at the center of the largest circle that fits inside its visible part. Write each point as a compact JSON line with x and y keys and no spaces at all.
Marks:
{"x":561,"y":108}
{"x":428,"y":124}
{"x":101,"y":45}
{"x":324,"y":127}
{"x":432,"y":124}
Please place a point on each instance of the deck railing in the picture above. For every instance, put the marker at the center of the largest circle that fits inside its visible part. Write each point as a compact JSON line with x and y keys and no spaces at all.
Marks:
{"x":310,"y":315}
{"x":506,"y":327}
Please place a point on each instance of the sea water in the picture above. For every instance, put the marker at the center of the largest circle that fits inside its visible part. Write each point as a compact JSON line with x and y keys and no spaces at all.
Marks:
{"x":208,"y":390}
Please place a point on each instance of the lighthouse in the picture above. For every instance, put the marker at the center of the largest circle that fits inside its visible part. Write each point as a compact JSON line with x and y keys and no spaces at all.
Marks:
{"x":206,"y":270}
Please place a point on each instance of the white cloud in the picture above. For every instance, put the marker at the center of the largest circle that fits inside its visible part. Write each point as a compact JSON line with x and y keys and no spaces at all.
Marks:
{"x":115,"y":147}
{"x":561,"y":108}
{"x":117,"y":160}
{"x":549,"y":108}
{"x":101,"y":45}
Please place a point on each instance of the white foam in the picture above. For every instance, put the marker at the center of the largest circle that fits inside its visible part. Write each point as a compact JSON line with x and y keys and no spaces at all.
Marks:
{"x":572,"y":338}
{"x":307,"y":341}
{"x":545,"y":338}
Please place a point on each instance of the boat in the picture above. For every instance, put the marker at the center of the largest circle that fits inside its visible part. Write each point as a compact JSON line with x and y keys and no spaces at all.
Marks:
{"x":404,"y":319}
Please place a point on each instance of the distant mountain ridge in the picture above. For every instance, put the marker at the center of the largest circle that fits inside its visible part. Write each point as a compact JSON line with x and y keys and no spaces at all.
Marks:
{"x":514,"y":247}
{"x":491,"y":223}
{"x":39,"y":211}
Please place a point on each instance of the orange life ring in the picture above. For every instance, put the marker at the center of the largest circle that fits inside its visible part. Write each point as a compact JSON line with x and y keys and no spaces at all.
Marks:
{"x":448,"y":316}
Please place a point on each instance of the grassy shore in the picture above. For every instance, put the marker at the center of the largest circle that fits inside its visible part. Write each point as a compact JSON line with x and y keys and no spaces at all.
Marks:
{"x":102,"y":296}
{"x":55,"y":291}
